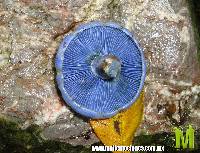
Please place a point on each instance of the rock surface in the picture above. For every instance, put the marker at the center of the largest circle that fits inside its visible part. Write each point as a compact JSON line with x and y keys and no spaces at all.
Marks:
{"x":31,"y":31}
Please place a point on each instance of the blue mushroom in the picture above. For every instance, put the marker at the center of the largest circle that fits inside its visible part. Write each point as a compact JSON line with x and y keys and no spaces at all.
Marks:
{"x":100,"y":69}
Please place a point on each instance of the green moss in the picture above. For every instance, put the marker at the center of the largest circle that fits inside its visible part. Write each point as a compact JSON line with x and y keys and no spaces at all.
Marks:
{"x":167,"y":140}
{"x":15,"y":140}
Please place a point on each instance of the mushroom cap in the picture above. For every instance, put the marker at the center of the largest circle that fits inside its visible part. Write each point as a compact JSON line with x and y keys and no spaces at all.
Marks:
{"x":82,"y":89}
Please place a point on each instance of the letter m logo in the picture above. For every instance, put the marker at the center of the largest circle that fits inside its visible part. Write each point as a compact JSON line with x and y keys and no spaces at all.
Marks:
{"x":188,"y":139}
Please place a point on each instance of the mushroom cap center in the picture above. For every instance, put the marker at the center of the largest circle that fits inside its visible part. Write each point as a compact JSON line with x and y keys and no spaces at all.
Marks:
{"x":107,"y":67}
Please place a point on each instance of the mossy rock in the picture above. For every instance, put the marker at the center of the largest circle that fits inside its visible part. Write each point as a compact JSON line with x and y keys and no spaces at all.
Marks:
{"x":194,"y":6}
{"x":13,"y":139}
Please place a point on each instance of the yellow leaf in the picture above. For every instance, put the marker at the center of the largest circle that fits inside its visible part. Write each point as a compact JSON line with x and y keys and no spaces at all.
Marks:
{"x":119,"y":130}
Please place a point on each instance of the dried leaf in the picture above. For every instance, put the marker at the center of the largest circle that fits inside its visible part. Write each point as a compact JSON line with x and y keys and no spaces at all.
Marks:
{"x":120,"y":129}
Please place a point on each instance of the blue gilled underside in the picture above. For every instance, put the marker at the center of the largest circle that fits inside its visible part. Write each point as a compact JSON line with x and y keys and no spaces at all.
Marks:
{"x":102,"y":70}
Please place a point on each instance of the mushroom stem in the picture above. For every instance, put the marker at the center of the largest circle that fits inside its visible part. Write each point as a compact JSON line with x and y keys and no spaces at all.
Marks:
{"x":106,"y":67}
